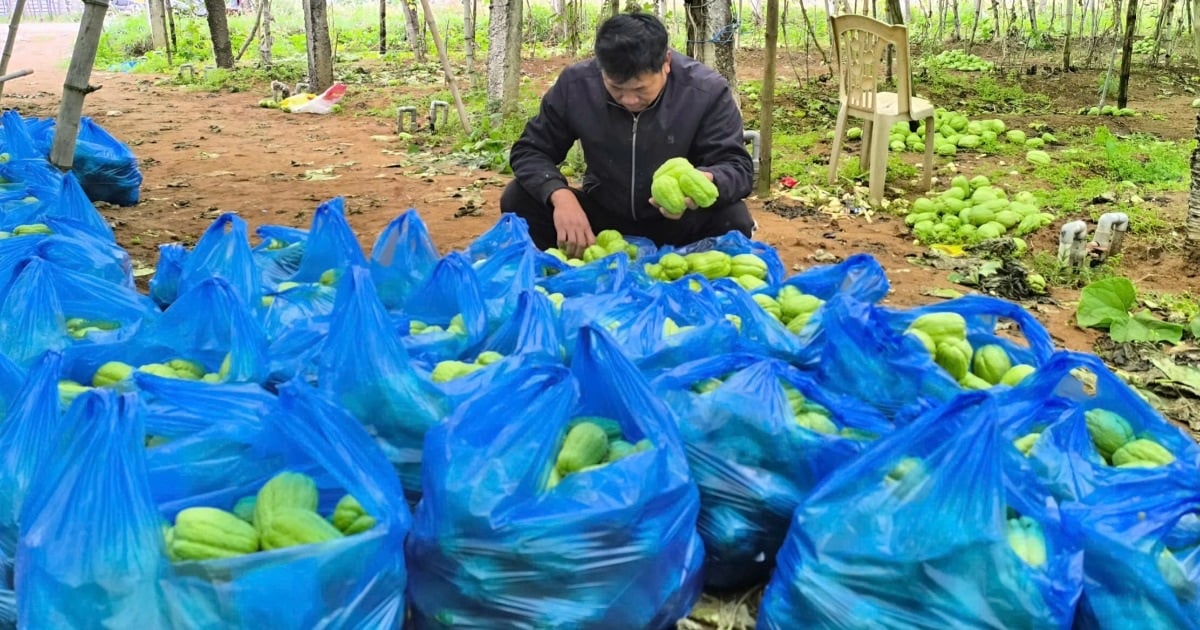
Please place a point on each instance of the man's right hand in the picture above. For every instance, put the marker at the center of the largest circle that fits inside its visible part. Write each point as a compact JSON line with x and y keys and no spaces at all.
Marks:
{"x":571,"y":223}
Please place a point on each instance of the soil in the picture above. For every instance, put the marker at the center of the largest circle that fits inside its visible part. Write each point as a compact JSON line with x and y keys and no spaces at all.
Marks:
{"x":204,"y":153}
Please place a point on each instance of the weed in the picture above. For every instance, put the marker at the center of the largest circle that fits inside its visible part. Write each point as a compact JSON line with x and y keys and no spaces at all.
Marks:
{"x":1057,"y":274}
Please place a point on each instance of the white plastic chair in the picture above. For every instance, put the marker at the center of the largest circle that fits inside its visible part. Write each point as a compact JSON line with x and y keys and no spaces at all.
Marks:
{"x":859,"y":47}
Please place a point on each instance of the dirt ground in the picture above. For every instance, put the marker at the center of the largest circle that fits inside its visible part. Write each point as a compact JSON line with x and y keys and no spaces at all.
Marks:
{"x":205,"y":153}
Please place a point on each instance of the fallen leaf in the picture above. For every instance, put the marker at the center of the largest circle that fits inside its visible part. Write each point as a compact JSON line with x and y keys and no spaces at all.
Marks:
{"x":319,"y":175}
{"x":946,"y":294}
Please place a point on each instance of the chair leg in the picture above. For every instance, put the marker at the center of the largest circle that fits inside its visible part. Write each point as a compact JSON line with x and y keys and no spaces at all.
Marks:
{"x":864,"y":162}
{"x":927,"y":177}
{"x":878,"y":173}
{"x":838,"y":131}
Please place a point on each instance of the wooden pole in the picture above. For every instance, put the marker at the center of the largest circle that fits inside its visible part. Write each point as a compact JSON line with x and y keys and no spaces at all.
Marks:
{"x":12,"y":38}
{"x":431,"y":21}
{"x":767,"y":100}
{"x":75,"y":88}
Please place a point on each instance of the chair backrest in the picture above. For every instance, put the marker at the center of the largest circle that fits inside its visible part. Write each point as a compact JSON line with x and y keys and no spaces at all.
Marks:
{"x":860,"y":44}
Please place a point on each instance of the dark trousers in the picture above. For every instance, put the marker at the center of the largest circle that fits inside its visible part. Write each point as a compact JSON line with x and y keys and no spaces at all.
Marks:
{"x":689,"y":228}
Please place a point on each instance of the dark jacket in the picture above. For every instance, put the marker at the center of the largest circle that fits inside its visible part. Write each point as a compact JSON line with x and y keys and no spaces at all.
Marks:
{"x":694,"y":117}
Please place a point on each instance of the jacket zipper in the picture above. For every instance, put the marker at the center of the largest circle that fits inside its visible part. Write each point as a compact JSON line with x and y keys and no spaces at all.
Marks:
{"x":633,"y":171}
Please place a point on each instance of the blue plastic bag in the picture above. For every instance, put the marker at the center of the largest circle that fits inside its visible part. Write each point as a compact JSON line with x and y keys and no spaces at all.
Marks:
{"x":1142,"y":553}
{"x":914,"y":533}
{"x":365,"y":367}
{"x":91,"y":545}
{"x":753,"y":461}
{"x":108,"y":490}
{"x":734,"y":243}
{"x":504,"y":275}
{"x":223,"y":251}
{"x":452,"y":290}
{"x":509,"y":230}
{"x":639,"y":324}
{"x":106,"y":168}
{"x":12,"y":377}
{"x":357,"y":581}
{"x":865,"y":352}
{"x":173,"y":408}
{"x":164,"y":286}
{"x":610,"y":548}
{"x":209,"y":325}
{"x":331,"y":243}
{"x":53,"y":308}
{"x":279,"y":253}
{"x":1059,"y":397}
{"x":15,"y":137}
{"x":295,"y":351}
{"x":758,"y":332}
{"x":28,"y":442}
{"x":860,"y":276}
{"x":80,"y":253}
{"x":533,"y":329}
{"x":73,"y":206}
{"x":608,"y":275}
{"x":402,"y":259}
{"x":62,"y":206}
{"x":295,"y":306}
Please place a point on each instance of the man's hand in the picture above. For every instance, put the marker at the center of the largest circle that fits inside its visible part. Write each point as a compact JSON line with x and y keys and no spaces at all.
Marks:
{"x":571,"y":223}
{"x":691,"y":205}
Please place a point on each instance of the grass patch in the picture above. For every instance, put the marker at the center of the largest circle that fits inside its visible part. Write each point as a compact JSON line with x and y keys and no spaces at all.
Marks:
{"x":1057,"y":274}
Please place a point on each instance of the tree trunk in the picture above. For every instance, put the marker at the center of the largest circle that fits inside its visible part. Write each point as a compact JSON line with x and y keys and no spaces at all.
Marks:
{"x":504,"y":55}
{"x":171,"y":24}
{"x":723,"y":38}
{"x":573,"y":43}
{"x":158,"y":23}
{"x":1192,"y":240}
{"x":512,"y":64}
{"x":560,"y":19}
{"x":614,"y":7}
{"x":1067,"y":37}
{"x":382,"y":27}
{"x":1195,"y":9}
{"x":75,"y":87}
{"x":975,"y":25}
{"x":14,"y":23}
{"x":1032,"y":7}
{"x":1161,"y":29}
{"x":766,"y":99}
{"x":894,"y":16}
{"x":1127,"y":53}
{"x":412,"y":27}
{"x":957,"y":23}
{"x":218,"y":28}
{"x":469,"y":36}
{"x":320,"y":49}
{"x":264,"y":42}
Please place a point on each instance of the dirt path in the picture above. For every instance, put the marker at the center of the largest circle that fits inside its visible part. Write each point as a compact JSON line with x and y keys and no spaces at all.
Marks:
{"x":203,"y":154}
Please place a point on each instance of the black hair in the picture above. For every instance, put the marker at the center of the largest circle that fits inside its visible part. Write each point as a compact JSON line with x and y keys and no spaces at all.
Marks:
{"x":631,"y":44}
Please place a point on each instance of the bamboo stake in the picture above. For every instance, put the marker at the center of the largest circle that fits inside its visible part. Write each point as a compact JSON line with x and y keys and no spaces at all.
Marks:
{"x":431,"y":21}
{"x":253,"y":33}
{"x":75,"y":88}
{"x":12,"y":38}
